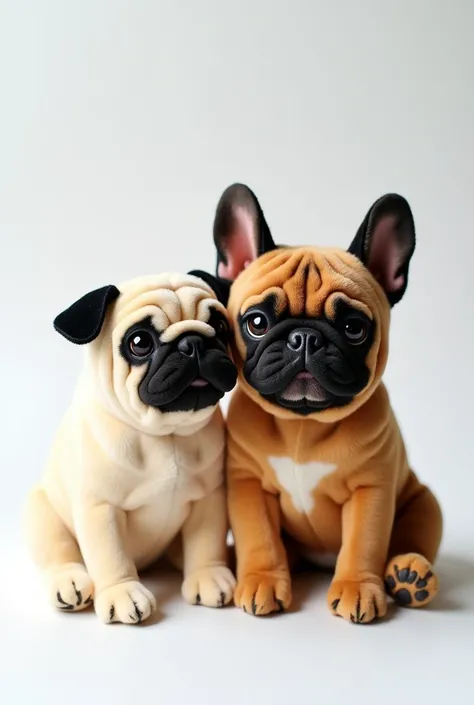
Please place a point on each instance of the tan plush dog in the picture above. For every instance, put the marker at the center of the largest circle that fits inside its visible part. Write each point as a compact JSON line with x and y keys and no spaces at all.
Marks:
{"x":138,"y":459}
{"x":314,"y":451}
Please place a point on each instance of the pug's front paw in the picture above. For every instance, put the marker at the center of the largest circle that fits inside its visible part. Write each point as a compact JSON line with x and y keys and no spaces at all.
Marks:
{"x":212,"y":587}
{"x":263,"y":593}
{"x":129,"y":603}
{"x":70,"y":588}
{"x":358,"y":601}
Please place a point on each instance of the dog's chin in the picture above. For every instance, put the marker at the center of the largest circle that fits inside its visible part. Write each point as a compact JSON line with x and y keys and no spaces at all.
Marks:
{"x":305,"y":395}
{"x":199,"y":394}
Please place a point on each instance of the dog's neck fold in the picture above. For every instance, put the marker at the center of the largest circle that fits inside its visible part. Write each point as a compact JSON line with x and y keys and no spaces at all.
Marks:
{"x":97,"y":392}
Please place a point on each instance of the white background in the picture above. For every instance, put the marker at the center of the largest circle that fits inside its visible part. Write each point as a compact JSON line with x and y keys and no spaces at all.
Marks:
{"x":120,"y":125}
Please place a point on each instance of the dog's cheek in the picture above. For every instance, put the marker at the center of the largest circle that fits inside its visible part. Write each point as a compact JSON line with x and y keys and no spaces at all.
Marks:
{"x":376,"y":358}
{"x":238,"y":348}
{"x":127,"y":386}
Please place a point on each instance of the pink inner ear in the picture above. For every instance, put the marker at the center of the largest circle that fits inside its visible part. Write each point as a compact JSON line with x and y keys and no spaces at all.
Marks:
{"x":240,"y":244}
{"x":386,"y":254}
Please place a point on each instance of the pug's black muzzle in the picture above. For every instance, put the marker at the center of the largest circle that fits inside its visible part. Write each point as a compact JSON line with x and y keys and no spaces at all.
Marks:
{"x":191,"y":373}
{"x":306,"y":365}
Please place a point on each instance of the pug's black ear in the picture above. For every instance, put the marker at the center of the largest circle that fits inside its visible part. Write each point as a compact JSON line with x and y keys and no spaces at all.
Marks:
{"x":241,"y":233}
{"x":221,"y":287}
{"x":82,"y":321}
{"x":385,"y":243}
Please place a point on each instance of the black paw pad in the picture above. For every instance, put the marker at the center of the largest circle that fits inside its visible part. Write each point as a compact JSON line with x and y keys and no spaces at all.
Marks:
{"x":421,"y":595}
{"x":423,"y":582}
{"x":406,"y":576}
{"x":402,"y":575}
{"x":402,"y":596}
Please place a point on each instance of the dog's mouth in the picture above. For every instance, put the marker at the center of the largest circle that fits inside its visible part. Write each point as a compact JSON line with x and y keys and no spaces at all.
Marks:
{"x":305,"y":394}
{"x":304,"y":387}
{"x":199,"y":382}
{"x":188,"y":383}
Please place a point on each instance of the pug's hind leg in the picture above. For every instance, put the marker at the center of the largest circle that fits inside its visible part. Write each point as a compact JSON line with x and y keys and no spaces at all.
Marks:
{"x":207,"y":579}
{"x":410,"y":578}
{"x":55,"y":551}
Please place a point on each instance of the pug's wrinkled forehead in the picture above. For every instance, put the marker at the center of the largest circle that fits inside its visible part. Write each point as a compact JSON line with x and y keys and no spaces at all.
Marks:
{"x":174,"y":304}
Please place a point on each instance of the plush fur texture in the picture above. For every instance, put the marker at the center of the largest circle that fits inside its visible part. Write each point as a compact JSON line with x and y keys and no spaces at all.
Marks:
{"x":128,"y":479}
{"x":315,"y":454}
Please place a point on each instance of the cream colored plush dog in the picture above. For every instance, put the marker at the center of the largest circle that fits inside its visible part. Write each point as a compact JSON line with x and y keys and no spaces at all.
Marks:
{"x":136,"y":467}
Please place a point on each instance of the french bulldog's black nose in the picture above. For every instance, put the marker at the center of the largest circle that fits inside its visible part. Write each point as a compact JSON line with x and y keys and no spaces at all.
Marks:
{"x":190,"y":345}
{"x":305,"y":339}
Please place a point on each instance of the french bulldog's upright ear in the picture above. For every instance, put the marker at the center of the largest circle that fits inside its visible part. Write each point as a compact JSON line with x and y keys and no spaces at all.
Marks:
{"x":385,"y":243}
{"x":82,"y":321}
{"x":241,"y":233}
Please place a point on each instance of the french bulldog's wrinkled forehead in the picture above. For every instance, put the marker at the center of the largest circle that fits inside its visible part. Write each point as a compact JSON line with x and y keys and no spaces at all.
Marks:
{"x":304,"y":281}
{"x":174,"y":302}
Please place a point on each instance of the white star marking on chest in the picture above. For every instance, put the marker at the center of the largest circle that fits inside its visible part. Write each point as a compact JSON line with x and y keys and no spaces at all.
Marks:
{"x":300,"y":480}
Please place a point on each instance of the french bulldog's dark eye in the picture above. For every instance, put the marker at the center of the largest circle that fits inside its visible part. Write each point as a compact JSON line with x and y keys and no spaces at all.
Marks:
{"x":141,"y":343}
{"x":257,"y":325}
{"x":356,"y":331}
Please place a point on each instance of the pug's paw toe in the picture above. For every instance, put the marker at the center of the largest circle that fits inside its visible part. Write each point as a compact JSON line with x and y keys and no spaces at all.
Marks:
{"x":212,"y":586}
{"x":70,"y":588}
{"x":263,"y":594}
{"x":410,"y":580}
{"x":129,"y":603}
{"x":357,"y":601}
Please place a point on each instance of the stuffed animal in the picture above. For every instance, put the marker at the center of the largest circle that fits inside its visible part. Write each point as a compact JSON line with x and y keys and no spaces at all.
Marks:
{"x":314,"y":450}
{"x":136,"y":467}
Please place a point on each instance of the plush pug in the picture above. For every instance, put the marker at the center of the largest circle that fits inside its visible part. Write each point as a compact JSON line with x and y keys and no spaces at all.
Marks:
{"x":136,"y":467}
{"x":314,"y":451}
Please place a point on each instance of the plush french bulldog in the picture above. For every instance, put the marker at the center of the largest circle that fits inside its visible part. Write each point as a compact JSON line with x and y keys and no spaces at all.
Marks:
{"x":137,"y":465}
{"x":314,"y":451}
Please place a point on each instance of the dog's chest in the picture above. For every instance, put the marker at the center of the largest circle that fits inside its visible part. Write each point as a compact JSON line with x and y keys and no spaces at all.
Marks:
{"x":300,"y":480}
{"x":168,"y":470}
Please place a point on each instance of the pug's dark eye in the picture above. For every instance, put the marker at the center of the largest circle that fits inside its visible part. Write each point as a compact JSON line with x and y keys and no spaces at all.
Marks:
{"x":355,"y":330}
{"x":257,"y":325}
{"x":222,"y":329}
{"x":140,"y":343}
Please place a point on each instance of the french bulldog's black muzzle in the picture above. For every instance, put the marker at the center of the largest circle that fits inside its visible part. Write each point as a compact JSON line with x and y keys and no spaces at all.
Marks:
{"x":190,"y":373}
{"x":306,"y":365}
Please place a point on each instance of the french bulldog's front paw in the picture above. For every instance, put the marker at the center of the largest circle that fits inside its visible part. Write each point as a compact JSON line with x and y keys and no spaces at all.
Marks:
{"x":129,"y":603}
{"x":70,"y":588}
{"x":358,"y":601}
{"x":212,"y":587}
{"x":263,"y":593}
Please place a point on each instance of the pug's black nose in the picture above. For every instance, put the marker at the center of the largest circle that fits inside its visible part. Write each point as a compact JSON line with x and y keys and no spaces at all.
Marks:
{"x":190,"y":345}
{"x":305,"y":339}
